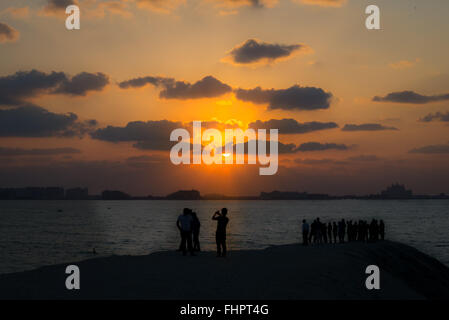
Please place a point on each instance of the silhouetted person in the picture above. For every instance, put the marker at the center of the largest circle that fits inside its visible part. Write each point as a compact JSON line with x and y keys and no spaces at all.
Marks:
{"x":324,"y":232}
{"x":196,"y":232}
{"x":318,"y":231}
{"x":373,"y":231}
{"x":313,"y":231}
{"x":382,"y":230}
{"x":335,"y":231}
{"x":305,"y":232}
{"x":350,"y":231}
{"x":184,"y":224}
{"x":341,"y":230}
{"x":329,"y":232}
{"x":220,"y":235}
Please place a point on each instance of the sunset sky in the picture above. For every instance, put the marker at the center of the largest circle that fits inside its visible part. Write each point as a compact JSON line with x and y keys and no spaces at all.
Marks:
{"x":356,"y":109}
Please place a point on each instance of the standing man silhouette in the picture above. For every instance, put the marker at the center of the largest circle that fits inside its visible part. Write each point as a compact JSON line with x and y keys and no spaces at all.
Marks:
{"x":305,"y":232}
{"x":220,"y":235}
{"x":184,"y":225}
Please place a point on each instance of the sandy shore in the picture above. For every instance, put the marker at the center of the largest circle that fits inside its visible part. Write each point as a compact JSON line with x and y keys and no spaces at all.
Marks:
{"x":281,"y":272}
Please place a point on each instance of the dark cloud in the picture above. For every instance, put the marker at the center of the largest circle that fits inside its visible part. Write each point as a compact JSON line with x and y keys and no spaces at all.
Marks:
{"x":7,"y":33}
{"x":291,"y":126}
{"x":438,"y":116}
{"x":411,"y":97}
{"x":292,"y":148}
{"x":82,"y":83}
{"x":24,"y":84}
{"x":219,"y":125}
{"x":150,"y":135}
{"x":282,"y":147}
{"x":58,"y":5}
{"x":432,"y":149}
{"x":142,"y":81}
{"x":317,"y":146}
{"x":366,"y":127}
{"x":16,"y":88}
{"x":253,"y":51}
{"x":35,"y":121}
{"x":293,"y":98}
{"x":208,"y":87}
{"x":12,"y":152}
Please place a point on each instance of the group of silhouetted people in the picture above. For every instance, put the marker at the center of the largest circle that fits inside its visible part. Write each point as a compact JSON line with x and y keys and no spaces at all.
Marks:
{"x":319,"y":232}
{"x":189,"y":228}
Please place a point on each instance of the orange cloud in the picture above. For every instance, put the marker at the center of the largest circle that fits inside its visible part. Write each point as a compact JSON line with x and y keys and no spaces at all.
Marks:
{"x":161,"y":6}
{"x":323,"y":3}
{"x":404,"y":64}
{"x":17,"y":12}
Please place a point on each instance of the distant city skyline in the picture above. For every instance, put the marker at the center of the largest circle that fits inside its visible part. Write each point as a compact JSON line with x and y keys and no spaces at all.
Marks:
{"x":394,"y":191}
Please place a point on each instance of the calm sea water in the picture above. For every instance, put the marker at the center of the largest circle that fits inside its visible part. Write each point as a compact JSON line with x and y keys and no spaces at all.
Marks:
{"x":34,"y":233}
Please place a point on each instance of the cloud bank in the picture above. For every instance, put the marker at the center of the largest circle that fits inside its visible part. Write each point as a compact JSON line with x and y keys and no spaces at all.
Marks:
{"x":366,"y":127}
{"x":207,"y":87}
{"x":291,"y":126}
{"x":16,"y":88}
{"x":411,"y":97}
{"x":293,"y":98}
{"x":35,"y":121}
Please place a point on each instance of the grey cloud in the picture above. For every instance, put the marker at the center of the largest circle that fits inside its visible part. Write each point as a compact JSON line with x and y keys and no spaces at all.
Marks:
{"x":7,"y":33}
{"x":142,"y":81}
{"x":150,"y":135}
{"x":282,"y":147}
{"x":16,"y":88}
{"x":317,"y":146}
{"x":252,"y":51}
{"x":438,"y":116}
{"x":24,"y":84}
{"x":293,"y":98}
{"x":82,"y":83}
{"x":305,"y":147}
{"x":58,"y":5}
{"x":366,"y":127}
{"x":35,"y":121}
{"x":208,"y":87}
{"x":291,"y":126}
{"x":12,"y":152}
{"x":411,"y":97}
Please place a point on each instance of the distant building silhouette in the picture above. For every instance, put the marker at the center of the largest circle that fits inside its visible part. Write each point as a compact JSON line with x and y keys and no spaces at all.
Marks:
{"x":77,"y":194}
{"x":114,"y":195}
{"x":280,"y":195}
{"x":396,"y":191}
{"x":32,"y":193}
{"x":184,"y":195}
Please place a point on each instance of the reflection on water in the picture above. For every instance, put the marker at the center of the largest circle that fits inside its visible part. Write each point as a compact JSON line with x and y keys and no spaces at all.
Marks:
{"x":37,"y":233}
